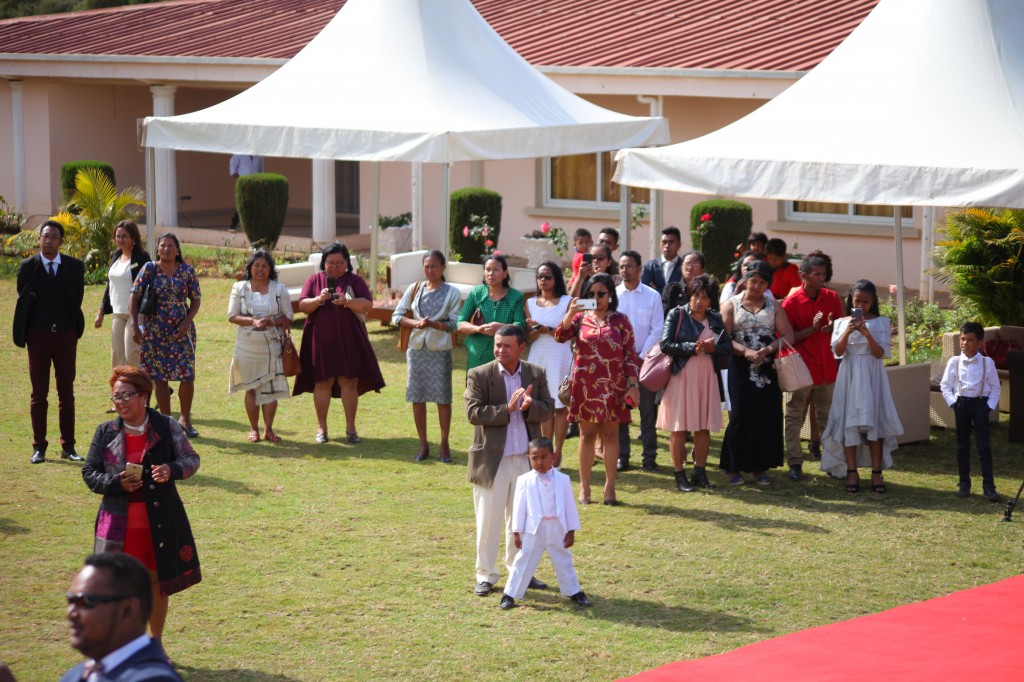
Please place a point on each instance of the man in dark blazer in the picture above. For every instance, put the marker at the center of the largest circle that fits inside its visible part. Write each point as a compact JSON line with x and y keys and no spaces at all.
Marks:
{"x":662,"y":271}
{"x":506,"y":402}
{"x":48,"y":320}
{"x":108,"y":607}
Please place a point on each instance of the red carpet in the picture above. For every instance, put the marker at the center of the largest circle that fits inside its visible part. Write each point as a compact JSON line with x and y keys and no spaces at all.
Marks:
{"x":971,"y":635}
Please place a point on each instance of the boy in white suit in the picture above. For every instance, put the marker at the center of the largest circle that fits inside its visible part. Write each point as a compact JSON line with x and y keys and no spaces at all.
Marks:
{"x":544,"y":517}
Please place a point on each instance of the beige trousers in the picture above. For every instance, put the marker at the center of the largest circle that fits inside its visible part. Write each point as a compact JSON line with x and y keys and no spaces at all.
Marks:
{"x":123,"y":349}
{"x":493,"y":507}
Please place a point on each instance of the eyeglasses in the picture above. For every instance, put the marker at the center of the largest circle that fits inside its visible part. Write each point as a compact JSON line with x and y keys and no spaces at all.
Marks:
{"x":545,"y":277}
{"x":123,"y":397}
{"x":335,"y":263}
{"x":600,"y":257}
{"x":596,"y":294}
{"x":84,"y":600}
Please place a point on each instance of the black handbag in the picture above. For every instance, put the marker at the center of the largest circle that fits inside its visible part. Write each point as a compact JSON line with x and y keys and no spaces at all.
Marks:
{"x":147,"y":300}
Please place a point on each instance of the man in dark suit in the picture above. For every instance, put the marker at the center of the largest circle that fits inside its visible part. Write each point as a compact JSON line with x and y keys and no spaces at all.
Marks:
{"x":108,"y":607}
{"x":662,"y":271}
{"x":506,"y":402}
{"x":48,"y":320}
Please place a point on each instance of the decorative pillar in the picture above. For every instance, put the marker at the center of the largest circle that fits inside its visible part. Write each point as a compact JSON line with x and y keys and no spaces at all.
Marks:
{"x":325,"y":225}
{"x":166,"y":169}
{"x":18,"y":128}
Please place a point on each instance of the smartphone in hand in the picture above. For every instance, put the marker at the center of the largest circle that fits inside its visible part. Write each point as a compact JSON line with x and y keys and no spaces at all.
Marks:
{"x":332,"y":284}
{"x":133,"y":469}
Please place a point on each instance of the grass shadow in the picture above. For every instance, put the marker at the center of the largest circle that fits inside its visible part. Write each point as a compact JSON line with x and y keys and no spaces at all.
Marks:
{"x":12,"y":527}
{"x":203,"y":480}
{"x":209,"y":675}
{"x":729,"y":521}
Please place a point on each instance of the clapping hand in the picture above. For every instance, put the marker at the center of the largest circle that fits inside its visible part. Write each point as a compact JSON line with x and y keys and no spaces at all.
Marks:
{"x":521,"y":399}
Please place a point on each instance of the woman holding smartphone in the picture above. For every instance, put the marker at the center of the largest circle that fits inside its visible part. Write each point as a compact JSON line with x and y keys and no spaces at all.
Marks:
{"x":863,"y":422}
{"x":604,"y":377}
{"x":133,"y":462}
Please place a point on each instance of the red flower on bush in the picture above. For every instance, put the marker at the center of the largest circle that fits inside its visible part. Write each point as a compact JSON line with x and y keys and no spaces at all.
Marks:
{"x":706,"y":217}
{"x":488,"y":243}
{"x":465,"y":231}
{"x":545,"y":227}
{"x":185,"y":553}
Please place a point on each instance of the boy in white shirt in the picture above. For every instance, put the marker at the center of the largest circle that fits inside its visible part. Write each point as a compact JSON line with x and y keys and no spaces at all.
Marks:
{"x":544,"y":517}
{"x":970,"y":385}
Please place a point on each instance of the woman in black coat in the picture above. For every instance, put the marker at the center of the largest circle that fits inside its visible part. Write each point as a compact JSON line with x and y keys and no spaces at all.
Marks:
{"x":695,"y":337}
{"x":125,"y":262}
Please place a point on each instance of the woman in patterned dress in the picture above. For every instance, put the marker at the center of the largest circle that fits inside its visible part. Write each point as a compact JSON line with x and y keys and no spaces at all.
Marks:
{"x":753,"y":439}
{"x":543,"y":313}
{"x":168,"y":338}
{"x":604,"y":378}
{"x":497,"y":303}
{"x":434,"y":305}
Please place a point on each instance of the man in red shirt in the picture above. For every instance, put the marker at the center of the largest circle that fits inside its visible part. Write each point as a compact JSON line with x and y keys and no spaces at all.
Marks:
{"x":811,"y":310}
{"x":786,"y":277}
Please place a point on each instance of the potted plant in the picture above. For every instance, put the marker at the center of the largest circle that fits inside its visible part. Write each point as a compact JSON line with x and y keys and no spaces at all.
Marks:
{"x":546,"y":244}
{"x":395,"y":234}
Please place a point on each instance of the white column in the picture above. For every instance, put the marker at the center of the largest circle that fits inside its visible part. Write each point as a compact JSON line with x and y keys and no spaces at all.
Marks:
{"x":18,"y":128}
{"x":325,"y":224}
{"x":417,"y":206}
{"x":445,"y":208}
{"x":166,"y":170}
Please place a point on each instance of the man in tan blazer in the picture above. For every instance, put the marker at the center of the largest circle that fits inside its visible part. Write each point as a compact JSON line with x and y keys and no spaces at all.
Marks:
{"x":506,"y":401}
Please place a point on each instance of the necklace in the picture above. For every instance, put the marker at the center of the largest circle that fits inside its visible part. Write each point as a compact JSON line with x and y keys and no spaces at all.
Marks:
{"x":137,"y":430}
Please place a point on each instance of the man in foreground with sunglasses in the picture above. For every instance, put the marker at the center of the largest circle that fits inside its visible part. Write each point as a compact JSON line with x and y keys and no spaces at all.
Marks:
{"x":108,"y":607}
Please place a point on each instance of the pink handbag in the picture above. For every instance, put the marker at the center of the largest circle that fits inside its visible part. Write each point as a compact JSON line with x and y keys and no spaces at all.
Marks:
{"x":657,"y":367}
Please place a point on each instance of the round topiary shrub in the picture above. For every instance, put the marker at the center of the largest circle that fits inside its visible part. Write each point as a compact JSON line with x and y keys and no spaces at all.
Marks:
{"x":69,"y":171}
{"x":468,"y":202}
{"x":730,"y":223}
{"x":262,"y":201}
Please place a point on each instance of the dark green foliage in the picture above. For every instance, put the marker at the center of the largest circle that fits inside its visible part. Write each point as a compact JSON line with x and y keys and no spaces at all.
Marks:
{"x":262,"y":201}
{"x":10,"y":9}
{"x":731,"y":222}
{"x":70,"y":169}
{"x":468,"y":202}
{"x":981,"y":260}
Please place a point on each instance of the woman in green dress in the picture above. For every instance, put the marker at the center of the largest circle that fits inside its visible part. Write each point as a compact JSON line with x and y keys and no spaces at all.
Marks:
{"x":489,"y":306}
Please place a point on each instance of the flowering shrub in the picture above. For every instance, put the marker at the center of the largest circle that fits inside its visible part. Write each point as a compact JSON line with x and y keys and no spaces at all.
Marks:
{"x":701,"y":229}
{"x":555,"y":235}
{"x":10,"y":220}
{"x":926,"y":322}
{"x":481,"y":231}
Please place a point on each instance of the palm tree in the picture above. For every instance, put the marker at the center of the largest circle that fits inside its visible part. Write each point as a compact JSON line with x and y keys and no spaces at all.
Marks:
{"x":99,"y":208}
{"x":981,"y":262}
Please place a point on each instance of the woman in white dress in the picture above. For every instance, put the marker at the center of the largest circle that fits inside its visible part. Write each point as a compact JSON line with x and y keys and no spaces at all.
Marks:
{"x":863,"y":423}
{"x":544,"y":313}
{"x":261,"y":307}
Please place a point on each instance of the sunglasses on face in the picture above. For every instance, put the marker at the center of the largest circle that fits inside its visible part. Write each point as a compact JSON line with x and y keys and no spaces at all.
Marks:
{"x":84,"y":600}
{"x":545,"y":277}
{"x":596,"y":294}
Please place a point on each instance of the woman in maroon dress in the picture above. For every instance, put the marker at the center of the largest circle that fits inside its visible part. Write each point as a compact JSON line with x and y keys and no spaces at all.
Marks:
{"x":604,"y":378}
{"x":337,"y":357}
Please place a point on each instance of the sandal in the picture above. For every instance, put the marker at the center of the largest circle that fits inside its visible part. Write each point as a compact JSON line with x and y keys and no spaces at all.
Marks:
{"x":272,"y":437}
{"x":446,"y":455}
{"x":877,"y":487}
{"x":352,"y":437}
{"x":254,"y":436}
{"x":321,"y":437}
{"x":855,"y":486}
{"x":584,"y":499}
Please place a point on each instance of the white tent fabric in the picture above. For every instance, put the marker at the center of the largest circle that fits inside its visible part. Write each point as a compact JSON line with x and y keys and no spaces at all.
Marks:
{"x":923,"y":104}
{"x":405,"y":80}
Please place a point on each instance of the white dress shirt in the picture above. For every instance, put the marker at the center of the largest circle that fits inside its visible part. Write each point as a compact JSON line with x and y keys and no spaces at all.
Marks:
{"x":643,"y":308}
{"x":47,"y":261}
{"x":974,"y":377}
{"x":119,"y":656}
{"x":517,"y":438}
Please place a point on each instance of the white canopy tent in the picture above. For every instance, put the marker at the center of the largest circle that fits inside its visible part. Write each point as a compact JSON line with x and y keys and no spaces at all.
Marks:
{"x":405,"y":80}
{"x":922,"y":105}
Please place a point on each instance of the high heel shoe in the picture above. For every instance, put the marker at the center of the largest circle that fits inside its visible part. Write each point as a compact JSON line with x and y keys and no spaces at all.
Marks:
{"x":877,"y":487}
{"x":446,"y":455}
{"x":855,"y":486}
{"x":423,"y":454}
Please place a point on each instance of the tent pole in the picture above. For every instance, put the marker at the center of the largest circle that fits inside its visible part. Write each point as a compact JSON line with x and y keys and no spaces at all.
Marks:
{"x":151,"y":202}
{"x":926,"y":249}
{"x":374,"y":228}
{"x":417,"y":205}
{"x":445,"y":208}
{"x":625,"y":237}
{"x":901,"y":315}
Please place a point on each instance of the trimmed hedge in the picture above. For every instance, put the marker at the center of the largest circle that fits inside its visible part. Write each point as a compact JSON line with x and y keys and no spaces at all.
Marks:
{"x":470,"y":201}
{"x":732,"y":222}
{"x":262,"y":202}
{"x":69,"y":170}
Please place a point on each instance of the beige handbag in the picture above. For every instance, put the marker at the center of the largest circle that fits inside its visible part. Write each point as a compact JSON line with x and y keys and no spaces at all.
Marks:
{"x":792,"y":370}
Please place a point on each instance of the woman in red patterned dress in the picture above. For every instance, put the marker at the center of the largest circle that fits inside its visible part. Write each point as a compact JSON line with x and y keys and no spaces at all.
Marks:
{"x":604,"y":378}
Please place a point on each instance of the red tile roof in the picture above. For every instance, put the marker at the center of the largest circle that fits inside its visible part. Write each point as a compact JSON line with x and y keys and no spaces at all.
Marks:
{"x":763,"y":35}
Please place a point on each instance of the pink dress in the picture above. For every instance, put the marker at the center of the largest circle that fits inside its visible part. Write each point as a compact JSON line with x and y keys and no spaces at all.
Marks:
{"x":691,"y":401}
{"x":605,"y":360}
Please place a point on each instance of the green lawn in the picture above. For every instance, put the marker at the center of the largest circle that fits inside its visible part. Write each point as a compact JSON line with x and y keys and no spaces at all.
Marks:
{"x":331,"y":562}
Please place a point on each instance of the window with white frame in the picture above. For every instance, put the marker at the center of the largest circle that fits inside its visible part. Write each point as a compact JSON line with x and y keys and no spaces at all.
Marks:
{"x":850,"y":213}
{"x":585,"y":181}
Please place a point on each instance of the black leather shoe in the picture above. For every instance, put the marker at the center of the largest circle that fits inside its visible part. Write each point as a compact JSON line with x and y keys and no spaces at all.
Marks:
{"x":72,"y":455}
{"x":796,"y":472}
{"x":580,"y":599}
{"x":537,"y":585}
{"x":651,"y":466}
{"x":700,"y":479}
{"x":507,"y":602}
{"x":991,"y":495}
{"x":683,"y":483}
{"x":623,"y":465}
{"x":963,"y":490}
{"x":483,"y":588}
{"x":38,"y":457}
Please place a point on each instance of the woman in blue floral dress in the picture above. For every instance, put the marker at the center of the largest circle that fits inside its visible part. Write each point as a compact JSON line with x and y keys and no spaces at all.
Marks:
{"x":168,"y":337}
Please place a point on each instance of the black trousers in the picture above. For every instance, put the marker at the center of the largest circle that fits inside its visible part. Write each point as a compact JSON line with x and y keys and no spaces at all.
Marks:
{"x":58,"y":350}
{"x":648,"y":409}
{"x":973,"y":413}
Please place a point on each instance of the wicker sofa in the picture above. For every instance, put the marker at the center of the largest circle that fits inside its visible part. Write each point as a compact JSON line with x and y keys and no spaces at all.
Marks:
{"x":951,"y":347}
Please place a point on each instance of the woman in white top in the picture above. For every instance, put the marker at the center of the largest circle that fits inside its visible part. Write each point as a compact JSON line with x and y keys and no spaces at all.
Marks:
{"x":125,"y":262}
{"x":261,"y":307}
{"x":544,"y":313}
{"x":435,"y":307}
{"x":863,"y":422}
